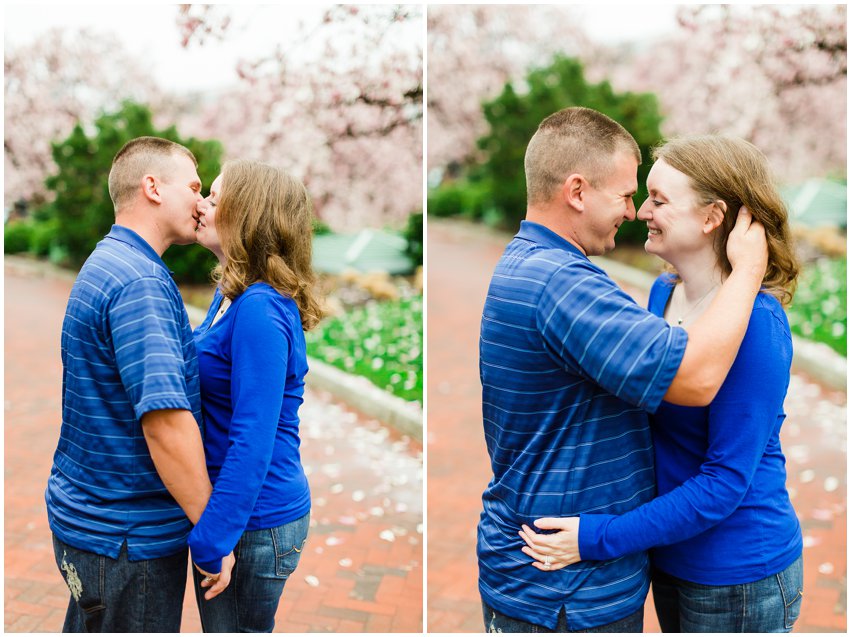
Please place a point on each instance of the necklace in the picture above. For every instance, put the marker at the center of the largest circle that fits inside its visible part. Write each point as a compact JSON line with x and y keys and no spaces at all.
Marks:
{"x":222,"y":309}
{"x":683,"y":317}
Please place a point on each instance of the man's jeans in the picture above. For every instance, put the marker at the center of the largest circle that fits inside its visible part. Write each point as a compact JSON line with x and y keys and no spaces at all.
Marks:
{"x":120,"y":596}
{"x":264,"y":561}
{"x":496,"y":622}
{"x":770,"y":605}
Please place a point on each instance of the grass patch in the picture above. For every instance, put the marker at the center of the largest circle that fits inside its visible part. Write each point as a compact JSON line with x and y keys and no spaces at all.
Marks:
{"x":819,"y":311}
{"x":382,"y":341}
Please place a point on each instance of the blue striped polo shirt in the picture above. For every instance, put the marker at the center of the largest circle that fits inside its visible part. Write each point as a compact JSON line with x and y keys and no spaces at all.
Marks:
{"x":127,"y":349}
{"x":570,"y":365}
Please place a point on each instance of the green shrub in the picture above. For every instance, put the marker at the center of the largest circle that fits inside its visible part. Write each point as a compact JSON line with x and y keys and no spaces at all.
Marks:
{"x":381,"y":341}
{"x":44,"y":237}
{"x":446,"y":201}
{"x":819,"y":311}
{"x":413,"y":234}
{"x":16,"y":237}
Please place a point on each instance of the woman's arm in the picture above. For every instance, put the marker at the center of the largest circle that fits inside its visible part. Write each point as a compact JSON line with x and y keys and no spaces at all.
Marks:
{"x":741,"y":419}
{"x":260,"y":349}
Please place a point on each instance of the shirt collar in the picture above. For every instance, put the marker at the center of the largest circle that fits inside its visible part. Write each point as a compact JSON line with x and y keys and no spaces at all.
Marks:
{"x":128,"y":236}
{"x":536,"y":233}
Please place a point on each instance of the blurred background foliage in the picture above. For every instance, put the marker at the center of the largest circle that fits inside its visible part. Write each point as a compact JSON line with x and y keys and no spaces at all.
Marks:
{"x":495,"y":189}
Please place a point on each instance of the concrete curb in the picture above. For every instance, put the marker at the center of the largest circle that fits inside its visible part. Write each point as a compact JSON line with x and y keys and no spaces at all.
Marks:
{"x":813,"y":359}
{"x":357,"y":392}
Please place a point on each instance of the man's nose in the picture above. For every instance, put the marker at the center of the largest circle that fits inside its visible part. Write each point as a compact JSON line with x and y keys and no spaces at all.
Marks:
{"x":630,"y":210}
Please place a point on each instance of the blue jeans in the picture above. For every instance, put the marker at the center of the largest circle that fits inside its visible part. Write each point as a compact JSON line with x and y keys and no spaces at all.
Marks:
{"x":264,"y":561}
{"x":496,"y":622}
{"x":769,"y":605}
{"x":120,"y":596}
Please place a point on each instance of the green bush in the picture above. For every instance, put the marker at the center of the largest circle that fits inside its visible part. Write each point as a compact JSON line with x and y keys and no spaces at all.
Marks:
{"x":16,"y":237}
{"x":514,"y":117}
{"x":819,"y":311}
{"x":413,"y":234}
{"x":382,"y":341}
{"x":82,"y":212}
{"x":44,"y":237}
{"x":446,"y":201}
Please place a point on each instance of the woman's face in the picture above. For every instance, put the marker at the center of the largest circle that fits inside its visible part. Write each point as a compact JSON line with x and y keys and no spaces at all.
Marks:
{"x":206,"y":235}
{"x":675,"y":220}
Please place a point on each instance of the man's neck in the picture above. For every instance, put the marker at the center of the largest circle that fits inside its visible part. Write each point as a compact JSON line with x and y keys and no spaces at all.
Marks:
{"x":148,"y":231}
{"x":555,"y":220}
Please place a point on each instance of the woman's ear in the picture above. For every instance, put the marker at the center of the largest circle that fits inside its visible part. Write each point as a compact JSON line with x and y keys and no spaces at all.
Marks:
{"x":714,"y":216}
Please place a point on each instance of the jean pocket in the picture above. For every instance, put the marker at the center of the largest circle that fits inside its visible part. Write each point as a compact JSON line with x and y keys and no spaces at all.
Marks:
{"x":791,"y":582}
{"x":85,"y":576}
{"x":289,"y":541}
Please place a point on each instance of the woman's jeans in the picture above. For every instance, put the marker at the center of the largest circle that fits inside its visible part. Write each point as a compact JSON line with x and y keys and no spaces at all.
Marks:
{"x":264,"y":561}
{"x":770,"y":605}
{"x":120,"y":596}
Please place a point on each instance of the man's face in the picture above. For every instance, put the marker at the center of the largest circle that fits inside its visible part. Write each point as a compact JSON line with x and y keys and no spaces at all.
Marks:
{"x":180,"y":189}
{"x":609,"y":204}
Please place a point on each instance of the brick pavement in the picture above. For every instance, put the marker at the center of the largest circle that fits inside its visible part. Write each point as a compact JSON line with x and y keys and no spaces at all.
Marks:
{"x":461,"y":258}
{"x":363,"y":569}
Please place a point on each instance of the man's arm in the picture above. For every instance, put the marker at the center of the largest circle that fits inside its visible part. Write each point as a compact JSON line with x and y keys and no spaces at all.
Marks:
{"x":174,"y":441}
{"x":714,"y":339}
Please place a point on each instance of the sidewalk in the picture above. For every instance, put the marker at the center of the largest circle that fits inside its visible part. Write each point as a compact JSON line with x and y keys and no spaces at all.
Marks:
{"x":814,"y":439}
{"x":363,"y":568}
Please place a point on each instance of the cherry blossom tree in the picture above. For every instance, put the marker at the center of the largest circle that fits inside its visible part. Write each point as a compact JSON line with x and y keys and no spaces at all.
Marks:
{"x":473,"y":51}
{"x":60,"y":78}
{"x":340,"y":106}
{"x":776,"y":76}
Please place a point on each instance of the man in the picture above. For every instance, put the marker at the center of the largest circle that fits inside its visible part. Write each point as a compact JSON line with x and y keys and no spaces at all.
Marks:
{"x":129,"y":468}
{"x":570,"y":365}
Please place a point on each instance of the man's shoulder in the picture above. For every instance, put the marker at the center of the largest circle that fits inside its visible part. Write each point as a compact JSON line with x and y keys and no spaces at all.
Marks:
{"x":543,"y":260}
{"x":114,"y":266}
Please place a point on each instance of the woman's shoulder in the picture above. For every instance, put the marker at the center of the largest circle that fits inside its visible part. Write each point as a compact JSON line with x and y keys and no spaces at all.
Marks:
{"x":262,"y":296}
{"x":768,"y":321}
{"x":660,"y":291}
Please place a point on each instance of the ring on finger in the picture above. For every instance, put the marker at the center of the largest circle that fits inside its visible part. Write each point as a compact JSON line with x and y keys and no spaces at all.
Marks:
{"x":547,"y":561}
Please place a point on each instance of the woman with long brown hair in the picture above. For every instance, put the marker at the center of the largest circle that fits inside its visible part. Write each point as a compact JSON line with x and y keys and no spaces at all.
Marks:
{"x":251,"y":353}
{"x":726,"y":543}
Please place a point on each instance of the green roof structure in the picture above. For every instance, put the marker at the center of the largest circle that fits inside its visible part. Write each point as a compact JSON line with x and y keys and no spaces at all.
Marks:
{"x":365,"y":251}
{"x":817,"y":203}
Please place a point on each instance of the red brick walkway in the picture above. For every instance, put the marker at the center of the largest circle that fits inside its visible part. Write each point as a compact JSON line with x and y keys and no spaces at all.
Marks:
{"x":460,"y":261}
{"x":363,"y":569}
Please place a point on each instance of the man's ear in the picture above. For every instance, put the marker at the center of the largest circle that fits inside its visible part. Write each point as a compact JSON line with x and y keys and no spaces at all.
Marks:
{"x":573,"y":191}
{"x":150,"y":189}
{"x":714,"y":216}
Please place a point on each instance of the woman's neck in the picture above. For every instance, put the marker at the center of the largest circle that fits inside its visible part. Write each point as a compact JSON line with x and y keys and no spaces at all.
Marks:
{"x":700,"y":272}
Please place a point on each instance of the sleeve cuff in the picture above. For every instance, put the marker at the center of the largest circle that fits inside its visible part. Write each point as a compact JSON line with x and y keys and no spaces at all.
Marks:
{"x":211,"y":567}
{"x":591,"y":529}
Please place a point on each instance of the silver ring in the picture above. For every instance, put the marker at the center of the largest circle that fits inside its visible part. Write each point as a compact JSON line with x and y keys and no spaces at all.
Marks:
{"x":209,"y":578}
{"x":546,"y":560}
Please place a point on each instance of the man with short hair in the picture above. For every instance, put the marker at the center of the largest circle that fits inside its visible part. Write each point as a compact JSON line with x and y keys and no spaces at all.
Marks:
{"x":570,"y":365}
{"x":129,"y":468}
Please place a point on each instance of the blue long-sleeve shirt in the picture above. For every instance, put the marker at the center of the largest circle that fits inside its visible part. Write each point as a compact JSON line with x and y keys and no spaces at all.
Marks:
{"x":252,"y":364}
{"x":722,"y":515}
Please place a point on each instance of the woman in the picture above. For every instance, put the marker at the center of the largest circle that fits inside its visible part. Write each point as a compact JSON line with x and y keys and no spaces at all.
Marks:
{"x":251,"y":354}
{"x":728,"y":545}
